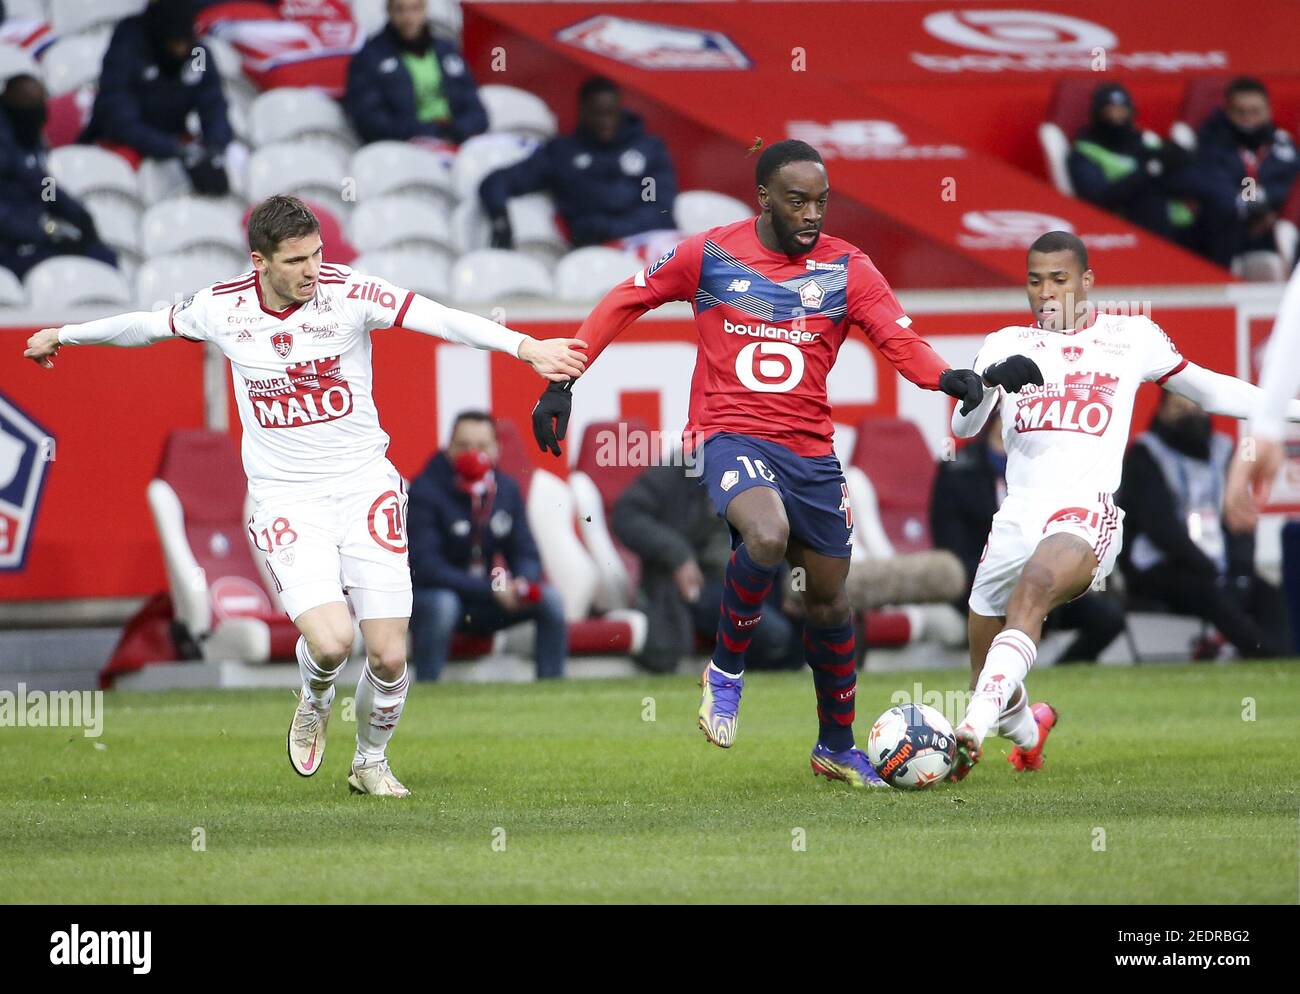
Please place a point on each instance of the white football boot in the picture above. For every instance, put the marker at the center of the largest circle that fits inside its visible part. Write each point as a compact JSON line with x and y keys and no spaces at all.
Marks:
{"x":376,"y":778}
{"x":307,"y":736}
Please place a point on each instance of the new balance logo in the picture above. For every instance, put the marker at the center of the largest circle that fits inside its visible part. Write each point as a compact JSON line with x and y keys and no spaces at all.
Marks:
{"x":738,"y":286}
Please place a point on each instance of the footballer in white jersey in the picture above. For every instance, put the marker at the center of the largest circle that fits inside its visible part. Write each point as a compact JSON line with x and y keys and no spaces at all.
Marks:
{"x":329,"y":518}
{"x":1067,"y":384}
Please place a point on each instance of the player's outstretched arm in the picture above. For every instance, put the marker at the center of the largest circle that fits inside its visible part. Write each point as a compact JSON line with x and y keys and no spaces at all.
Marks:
{"x":124,"y":330}
{"x":556,"y":359}
{"x":1219,"y":393}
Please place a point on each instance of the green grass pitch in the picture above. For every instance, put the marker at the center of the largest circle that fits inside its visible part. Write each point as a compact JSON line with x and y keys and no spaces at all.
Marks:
{"x":1156,"y":789}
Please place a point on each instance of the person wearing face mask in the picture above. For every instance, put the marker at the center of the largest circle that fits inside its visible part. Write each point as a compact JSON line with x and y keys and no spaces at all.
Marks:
{"x":156,"y":74}
{"x":474,"y":563}
{"x":33,"y":226}
{"x":1177,"y":551}
{"x":406,"y":82}
{"x":1244,"y":169}
{"x":611,"y":181}
{"x":1126,"y":170}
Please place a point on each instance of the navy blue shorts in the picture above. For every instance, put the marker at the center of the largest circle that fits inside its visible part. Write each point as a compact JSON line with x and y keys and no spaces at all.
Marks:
{"x":812,"y":488}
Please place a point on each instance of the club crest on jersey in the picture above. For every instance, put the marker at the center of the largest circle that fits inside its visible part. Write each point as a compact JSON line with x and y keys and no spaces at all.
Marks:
{"x":26,"y":451}
{"x":282,"y":342}
{"x":811,"y":295}
{"x":1072,"y":353}
{"x":729,"y":479}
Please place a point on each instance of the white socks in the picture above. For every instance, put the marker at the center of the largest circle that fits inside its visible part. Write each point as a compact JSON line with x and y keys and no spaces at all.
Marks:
{"x":1009,"y":660}
{"x":317,"y":682}
{"x":379,"y":705}
{"x":1017,"y":723}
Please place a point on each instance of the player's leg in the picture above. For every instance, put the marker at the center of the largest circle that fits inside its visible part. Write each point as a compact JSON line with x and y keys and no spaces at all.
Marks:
{"x":381,"y":696}
{"x":323,"y":647}
{"x":746,"y":493}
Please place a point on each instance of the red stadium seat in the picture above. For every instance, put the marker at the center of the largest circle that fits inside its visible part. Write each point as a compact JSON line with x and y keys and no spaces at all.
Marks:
{"x":1201,"y":96}
{"x":893,"y":454}
{"x":511,"y":455}
{"x":1067,"y":113}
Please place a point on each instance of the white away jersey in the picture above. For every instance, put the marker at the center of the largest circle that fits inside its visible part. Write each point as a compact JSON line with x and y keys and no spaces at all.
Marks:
{"x":302,"y":376}
{"x":1070,"y":434}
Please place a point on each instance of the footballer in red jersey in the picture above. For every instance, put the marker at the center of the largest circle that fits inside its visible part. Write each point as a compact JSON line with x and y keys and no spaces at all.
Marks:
{"x":774,"y":300}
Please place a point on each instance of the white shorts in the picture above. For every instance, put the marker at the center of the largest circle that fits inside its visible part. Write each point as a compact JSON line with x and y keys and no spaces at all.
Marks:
{"x":1022,"y":522}
{"x":348,"y":545}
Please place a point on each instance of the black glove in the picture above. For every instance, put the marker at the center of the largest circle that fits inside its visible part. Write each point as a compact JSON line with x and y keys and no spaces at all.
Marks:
{"x":206,"y":170}
{"x":61,"y":232}
{"x":502,"y":235}
{"x":965,"y":385}
{"x":551,"y":416}
{"x":1013,"y":373}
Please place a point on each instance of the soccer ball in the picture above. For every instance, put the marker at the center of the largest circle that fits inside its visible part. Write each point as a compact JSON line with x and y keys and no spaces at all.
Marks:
{"x":912,"y":746}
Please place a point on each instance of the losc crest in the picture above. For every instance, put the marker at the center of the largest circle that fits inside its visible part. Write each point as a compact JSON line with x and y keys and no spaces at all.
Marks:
{"x":25,"y":453}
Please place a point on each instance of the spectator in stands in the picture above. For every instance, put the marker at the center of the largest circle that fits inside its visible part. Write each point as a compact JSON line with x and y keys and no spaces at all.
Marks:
{"x":1240,"y":143}
{"x":665,"y":517}
{"x":1176,"y":549}
{"x":968,"y":491}
{"x":474,"y":563}
{"x":611,"y":181}
{"x":155,"y":75}
{"x":1128,"y":171}
{"x":37,"y":220}
{"x":408,"y":83}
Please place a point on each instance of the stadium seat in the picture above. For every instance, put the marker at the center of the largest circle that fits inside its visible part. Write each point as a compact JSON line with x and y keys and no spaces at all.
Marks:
{"x":1201,"y":96}
{"x":185,"y":223}
{"x":1067,"y":113}
{"x":536,"y":233}
{"x":585,"y":274}
{"x":230,"y":63}
{"x":370,"y":15}
{"x":282,"y":168}
{"x":422,"y":271}
{"x":400,"y":223}
{"x":14,"y":61}
{"x":83,"y":170}
{"x":595,"y":487}
{"x":483,"y":154}
{"x":446,"y":17}
{"x":74,"y":281}
{"x":700,"y":210}
{"x":384,"y":168}
{"x":26,"y":10}
{"x":290,"y":114}
{"x":197,"y":501}
{"x":470,"y":230}
{"x":239,"y":108}
{"x":72,"y":62}
{"x":12,"y":293}
{"x":517,"y":111}
{"x":491,"y":275}
{"x":1262,"y":266}
{"x":893,"y":454}
{"x":68,"y":115}
{"x":68,"y":17}
{"x":164,"y":281}
{"x":118,"y":223}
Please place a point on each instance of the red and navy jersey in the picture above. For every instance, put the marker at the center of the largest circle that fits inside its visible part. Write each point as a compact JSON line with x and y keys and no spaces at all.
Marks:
{"x":770,"y":327}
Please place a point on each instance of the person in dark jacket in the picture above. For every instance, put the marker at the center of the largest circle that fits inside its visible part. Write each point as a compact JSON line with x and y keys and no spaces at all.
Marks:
{"x":155,"y":75}
{"x":474,"y":564}
{"x":665,"y":517}
{"x":37,"y":220}
{"x":1126,"y":170}
{"x":1176,"y":550}
{"x":1244,"y":169}
{"x":968,"y":491}
{"x":408,"y":83}
{"x":609,"y":179}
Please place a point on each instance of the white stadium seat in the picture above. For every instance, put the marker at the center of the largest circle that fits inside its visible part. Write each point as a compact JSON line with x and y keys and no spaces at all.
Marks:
{"x":15,"y":62}
{"x":283,"y":168}
{"x":117,"y":221}
{"x":399,"y":222}
{"x":370,"y":15}
{"x":163,"y":282}
{"x":26,"y":10}
{"x":12,"y":293}
{"x":67,"y":17}
{"x":72,"y":62}
{"x":189,"y":222}
{"x":491,"y":275}
{"x":518,"y":111}
{"x":72,"y":280}
{"x":469,"y":227}
{"x":1056,"y":153}
{"x":288,"y":114}
{"x":239,"y":107}
{"x":700,"y":210}
{"x":446,"y":16}
{"x":586,"y":273}
{"x":423,"y":272}
{"x":230,"y":64}
{"x":532,"y":222}
{"x":382,"y":168}
{"x":483,"y":154}
{"x":87,"y":169}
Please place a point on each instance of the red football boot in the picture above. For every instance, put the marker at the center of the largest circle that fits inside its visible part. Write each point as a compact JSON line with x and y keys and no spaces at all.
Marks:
{"x":1032,"y":759}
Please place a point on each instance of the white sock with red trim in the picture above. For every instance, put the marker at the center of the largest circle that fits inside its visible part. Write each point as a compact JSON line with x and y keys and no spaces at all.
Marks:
{"x":379,"y":706}
{"x":1018,"y":724}
{"x":1010,"y":658}
{"x":317,"y":681}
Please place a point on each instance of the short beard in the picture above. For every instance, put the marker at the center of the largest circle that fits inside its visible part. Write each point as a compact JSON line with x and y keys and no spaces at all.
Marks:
{"x":785,"y":238}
